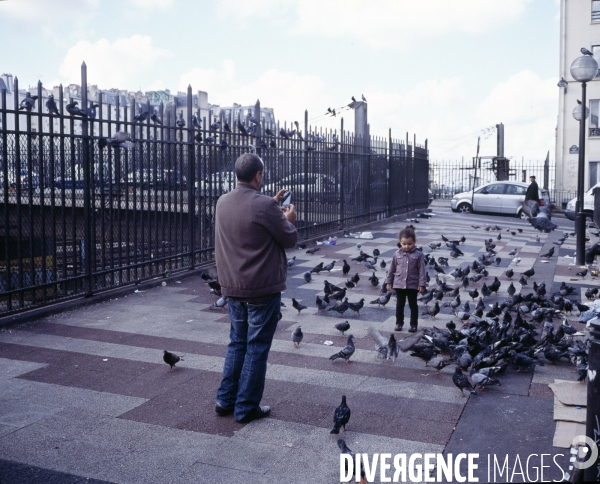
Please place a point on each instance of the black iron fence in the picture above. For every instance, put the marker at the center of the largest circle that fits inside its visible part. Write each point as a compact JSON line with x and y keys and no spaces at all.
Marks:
{"x":446,"y":178}
{"x":79,"y":217}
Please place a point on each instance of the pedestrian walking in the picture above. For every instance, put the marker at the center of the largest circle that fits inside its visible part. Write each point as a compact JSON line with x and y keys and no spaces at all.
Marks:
{"x":532,"y":190}
{"x":251,"y":232}
{"x":407,"y":277}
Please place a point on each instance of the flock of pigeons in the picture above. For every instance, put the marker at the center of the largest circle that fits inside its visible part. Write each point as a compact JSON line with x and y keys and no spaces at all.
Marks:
{"x":217,"y":129}
{"x":483,"y":339}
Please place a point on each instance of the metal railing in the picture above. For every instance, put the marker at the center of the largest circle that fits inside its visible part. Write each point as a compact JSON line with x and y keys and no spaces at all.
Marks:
{"x":78,"y":218}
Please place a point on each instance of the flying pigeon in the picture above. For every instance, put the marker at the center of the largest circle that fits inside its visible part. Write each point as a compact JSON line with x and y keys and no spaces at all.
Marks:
{"x":171,"y":359}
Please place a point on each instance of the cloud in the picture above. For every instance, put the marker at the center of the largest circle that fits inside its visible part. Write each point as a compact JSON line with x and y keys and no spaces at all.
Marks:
{"x":123,"y":64}
{"x":274,"y":88}
{"x":153,"y":4}
{"x":31,"y":10}
{"x":385,"y":23}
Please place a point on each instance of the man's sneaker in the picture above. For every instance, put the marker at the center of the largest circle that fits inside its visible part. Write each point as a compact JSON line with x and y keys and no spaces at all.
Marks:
{"x":413,"y":329}
{"x":222,"y":411}
{"x":256,"y":413}
{"x":398,"y":327}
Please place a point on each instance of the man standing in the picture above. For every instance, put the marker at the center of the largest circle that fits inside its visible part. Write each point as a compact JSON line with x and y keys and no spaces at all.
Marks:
{"x":532,"y":190}
{"x":251,"y":233}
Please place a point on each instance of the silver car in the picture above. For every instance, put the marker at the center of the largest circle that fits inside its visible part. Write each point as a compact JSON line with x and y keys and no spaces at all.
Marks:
{"x":502,"y":197}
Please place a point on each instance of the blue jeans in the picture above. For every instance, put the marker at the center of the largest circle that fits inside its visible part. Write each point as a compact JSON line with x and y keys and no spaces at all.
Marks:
{"x":251,"y":335}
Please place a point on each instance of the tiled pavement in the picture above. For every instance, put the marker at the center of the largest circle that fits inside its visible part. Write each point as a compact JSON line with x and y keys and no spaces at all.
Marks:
{"x":84,"y":394}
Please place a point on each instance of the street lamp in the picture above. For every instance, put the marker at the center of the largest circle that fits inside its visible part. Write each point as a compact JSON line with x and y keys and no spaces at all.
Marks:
{"x":583,"y":69}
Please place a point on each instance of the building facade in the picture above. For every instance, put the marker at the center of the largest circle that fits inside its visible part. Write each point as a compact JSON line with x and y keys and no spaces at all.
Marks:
{"x":579,"y":27}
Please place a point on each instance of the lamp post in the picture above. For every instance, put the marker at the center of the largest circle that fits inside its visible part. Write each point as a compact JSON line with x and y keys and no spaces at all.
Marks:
{"x":583,"y":69}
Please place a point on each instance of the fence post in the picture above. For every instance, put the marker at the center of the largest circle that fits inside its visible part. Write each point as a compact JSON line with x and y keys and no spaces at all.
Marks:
{"x":389,"y":174}
{"x":88,"y":213}
{"x":257,"y":127}
{"x":341,"y":170}
{"x":191,"y":208}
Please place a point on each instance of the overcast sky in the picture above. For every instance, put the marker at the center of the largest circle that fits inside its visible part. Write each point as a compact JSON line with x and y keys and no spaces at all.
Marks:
{"x":443,"y":70}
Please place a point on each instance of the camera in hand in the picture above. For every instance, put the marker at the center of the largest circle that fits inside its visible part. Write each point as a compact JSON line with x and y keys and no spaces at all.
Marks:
{"x":287,"y":198}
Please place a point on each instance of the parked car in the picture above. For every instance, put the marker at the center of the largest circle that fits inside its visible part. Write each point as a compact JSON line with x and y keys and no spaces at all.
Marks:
{"x":501,"y":197}
{"x":588,"y":204}
{"x":217,"y":184}
{"x":68,"y":183}
{"x":320,"y":187}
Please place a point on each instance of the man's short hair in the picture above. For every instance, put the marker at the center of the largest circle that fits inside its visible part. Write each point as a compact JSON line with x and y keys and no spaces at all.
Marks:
{"x":247,"y":166}
{"x":532,"y":176}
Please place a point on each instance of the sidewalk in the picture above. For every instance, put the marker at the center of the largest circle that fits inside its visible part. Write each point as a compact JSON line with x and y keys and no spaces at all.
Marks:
{"x":85,"y":396}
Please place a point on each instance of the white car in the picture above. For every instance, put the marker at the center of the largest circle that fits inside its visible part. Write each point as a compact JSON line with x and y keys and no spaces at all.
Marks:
{"x":501,"y":197}
{"x":588,"y":204}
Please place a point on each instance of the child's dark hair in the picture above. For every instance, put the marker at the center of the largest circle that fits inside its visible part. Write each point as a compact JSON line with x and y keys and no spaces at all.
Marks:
{"x":408,"y":232}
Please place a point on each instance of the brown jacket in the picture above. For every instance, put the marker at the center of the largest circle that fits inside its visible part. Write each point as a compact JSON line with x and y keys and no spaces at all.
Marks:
{"x":251,"y":234}
{"x":407,"y":270}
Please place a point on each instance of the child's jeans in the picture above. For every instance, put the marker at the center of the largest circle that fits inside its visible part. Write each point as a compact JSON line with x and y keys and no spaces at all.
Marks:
{"x":412,"y":304}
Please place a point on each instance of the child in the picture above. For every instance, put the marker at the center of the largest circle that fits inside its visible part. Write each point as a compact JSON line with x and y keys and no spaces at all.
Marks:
{"x":407,"y":276}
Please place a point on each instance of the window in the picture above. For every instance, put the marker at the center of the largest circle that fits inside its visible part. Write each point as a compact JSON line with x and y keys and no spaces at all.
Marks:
{"x":495,"y":189}
{"x":594,"y":172}
{"x":595,"y":10}
{"x":515,"y":190}
{"x":594,"y":117}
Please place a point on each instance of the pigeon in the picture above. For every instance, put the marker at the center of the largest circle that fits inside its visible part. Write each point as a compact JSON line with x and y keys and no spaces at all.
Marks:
{"x":520,"y":360}
{"x":425,"y":298}
{"x":374,"y":280}
{"x":242,"y":129}
{"x":328,"y":267}
{"x":51,"y":105}
{"x":548,"y":254}
{"x":432,"y":312}
{"x":343,"y":327}
{"x":340,"y":308}
{"x":318,"y":268}
{"x":462,"y":382}
{"x":509,"y":273}
{"x":439,"y":363}
{"x":481,"y":381}
{"x":220,"y":303}
{"x":28,"y":102}
{"x":307,"y":277}
{"x":529,"y":272}
{"x":382,"y":300}
{"x":118,"y":140}
{"x":91,"y":112}
{"x":297,"y":305}
{"x":356,"y":307}
{"x":345,"y":268}
{"x":73,"y":110}
{"x":346,"y":352}
{"x":313,"y":250}
{"x":155,"y":119}
{"x":140,"y":118}
{"x":341,"y":416}
{"x":345,"y":450}
{"x":582,"y":273}
{"x":513,"y":252}
{"x":339,"y":295}
{"x":292,"y":261}
{"x":297,"y":337}
{"x":585,"y":51}
{"x":171,"y":359}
